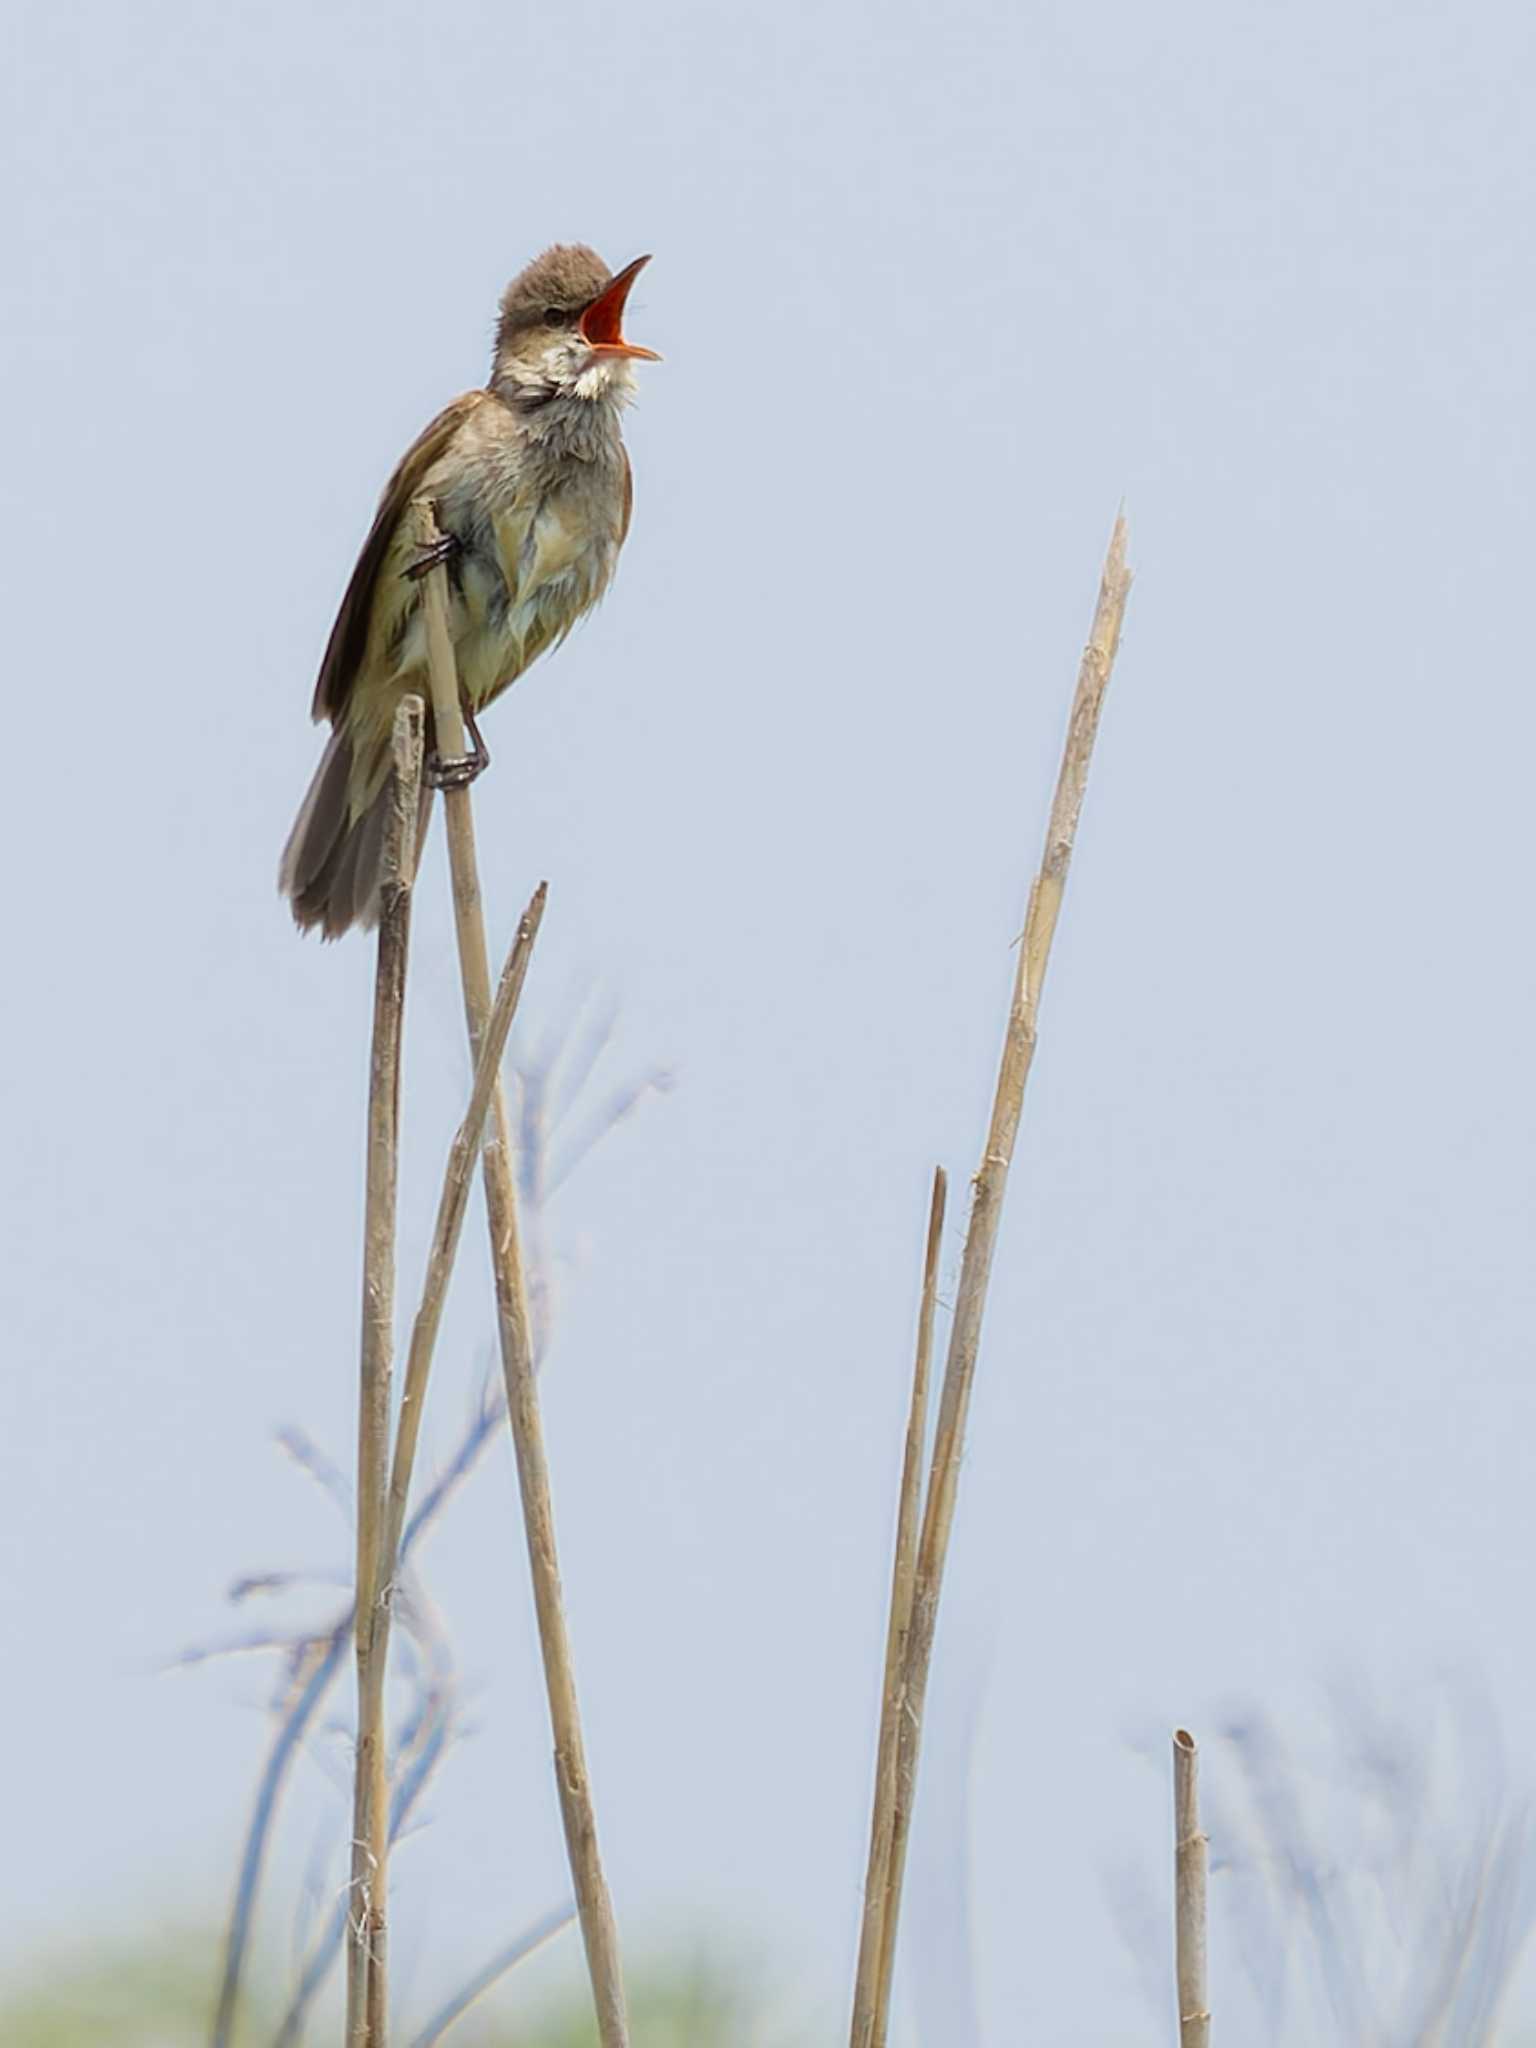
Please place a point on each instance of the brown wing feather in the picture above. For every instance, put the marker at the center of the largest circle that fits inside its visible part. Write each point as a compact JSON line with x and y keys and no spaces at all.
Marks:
{"x":349,"y":636}
{"x":629,"y":496}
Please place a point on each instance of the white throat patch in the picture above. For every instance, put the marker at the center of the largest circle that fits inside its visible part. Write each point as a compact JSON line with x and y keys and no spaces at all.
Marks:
{"x":610,"y":377}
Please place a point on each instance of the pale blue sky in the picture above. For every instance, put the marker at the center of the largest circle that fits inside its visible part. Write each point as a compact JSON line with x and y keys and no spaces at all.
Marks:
{"x":935,"y":288}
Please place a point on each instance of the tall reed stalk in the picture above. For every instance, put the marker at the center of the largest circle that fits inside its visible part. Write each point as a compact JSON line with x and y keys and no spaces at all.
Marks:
{"x":895,"y":1788}
{"x":367,"y":1918}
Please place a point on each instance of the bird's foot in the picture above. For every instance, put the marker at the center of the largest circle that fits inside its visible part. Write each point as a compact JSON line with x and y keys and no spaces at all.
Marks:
{"x":429,"y":558}
{"x":441,"y":773}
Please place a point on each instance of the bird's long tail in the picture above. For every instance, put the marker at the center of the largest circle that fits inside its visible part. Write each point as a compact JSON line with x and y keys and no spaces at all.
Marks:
{"x":333,"y":864}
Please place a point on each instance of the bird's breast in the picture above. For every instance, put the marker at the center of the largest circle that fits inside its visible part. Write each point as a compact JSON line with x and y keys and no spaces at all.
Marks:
{"x":539,"y":544}
{"x":534,"y":562}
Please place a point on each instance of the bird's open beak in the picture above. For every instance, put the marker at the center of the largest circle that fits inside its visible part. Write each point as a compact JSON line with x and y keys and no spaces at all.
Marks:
{"x":602,"y":324}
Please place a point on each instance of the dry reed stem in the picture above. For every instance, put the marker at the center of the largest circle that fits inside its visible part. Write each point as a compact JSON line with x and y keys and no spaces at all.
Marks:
{"x":366,"y":1978}
{"x":1189,"y":1911}
{"x":599,"y":1934}
{"x":452,"y":1203}
{"x":366,"y":1914}
{"x":989,"y":1187}
{"x":903,"y":1576}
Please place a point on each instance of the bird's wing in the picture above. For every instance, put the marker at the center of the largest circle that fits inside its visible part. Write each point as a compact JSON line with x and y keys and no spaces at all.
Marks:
{"x":629,"y":497}
{"x":348,"y":643}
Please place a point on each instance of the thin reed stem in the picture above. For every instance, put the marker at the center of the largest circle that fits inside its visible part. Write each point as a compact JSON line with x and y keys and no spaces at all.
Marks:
{"x":989,"y":1187}
{"x":599,"y":1934}
{"x":367,"y":1988}
{"x":423,"y":1740}
{"x":452,"y":1203}
{"x":1189,"y":1912}
{"x":898,"y":1628}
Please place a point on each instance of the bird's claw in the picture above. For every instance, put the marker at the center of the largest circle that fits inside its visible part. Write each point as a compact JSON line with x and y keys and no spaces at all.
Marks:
{"x":429,"y":558}
{"x":447,"y":772}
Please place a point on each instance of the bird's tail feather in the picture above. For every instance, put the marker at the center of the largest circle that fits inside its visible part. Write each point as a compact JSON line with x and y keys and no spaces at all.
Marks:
{"x":333,"y":864}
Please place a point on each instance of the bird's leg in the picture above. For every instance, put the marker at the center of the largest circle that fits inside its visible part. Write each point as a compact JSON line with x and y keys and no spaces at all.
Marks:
{"x":427,"y":559}
{"x":441,"y":774}
{"x":481,"y":754}
{"x":437,"y":772}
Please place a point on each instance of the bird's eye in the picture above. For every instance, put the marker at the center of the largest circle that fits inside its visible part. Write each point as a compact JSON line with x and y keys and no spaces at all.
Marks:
{"x":555,"y":316}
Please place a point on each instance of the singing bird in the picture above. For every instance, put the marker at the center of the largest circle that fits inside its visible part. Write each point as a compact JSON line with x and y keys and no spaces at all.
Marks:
{"x":532,"y":488}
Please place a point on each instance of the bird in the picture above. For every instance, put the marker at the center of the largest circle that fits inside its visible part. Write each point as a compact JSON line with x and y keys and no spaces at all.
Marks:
{"x":533,"y":491}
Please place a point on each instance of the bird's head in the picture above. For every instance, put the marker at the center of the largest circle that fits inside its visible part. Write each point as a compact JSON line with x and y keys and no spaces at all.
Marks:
{"x":561,"y":332}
